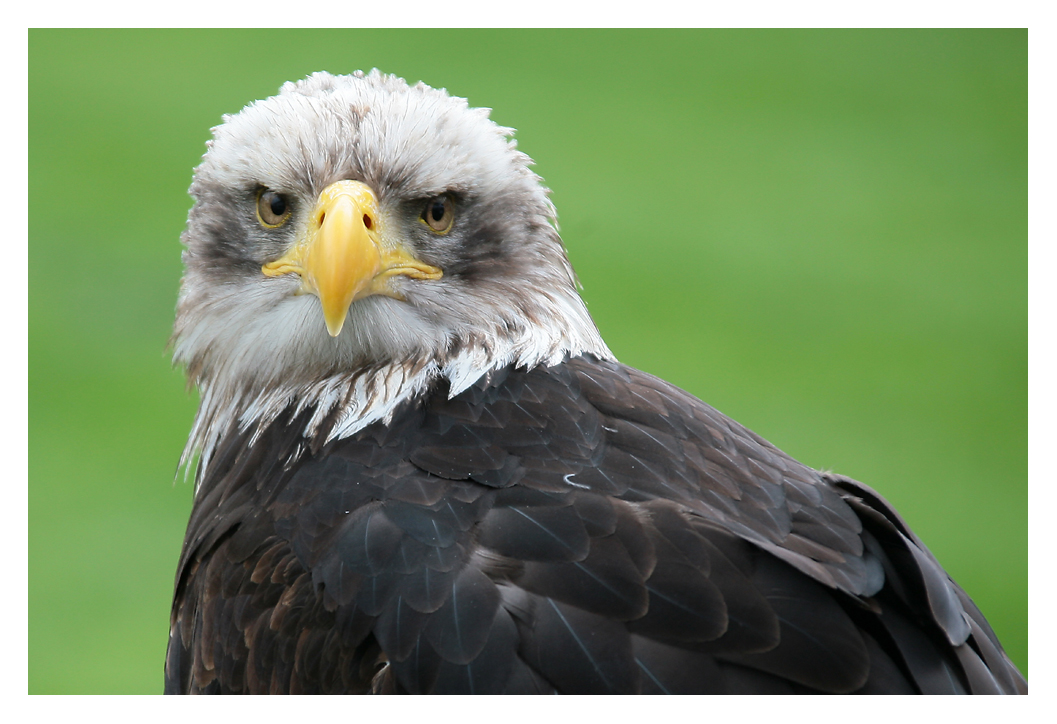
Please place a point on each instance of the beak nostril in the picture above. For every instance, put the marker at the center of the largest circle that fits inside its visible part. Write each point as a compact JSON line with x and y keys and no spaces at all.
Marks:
{"x":367,"y":222}
{"x":322,"y":216}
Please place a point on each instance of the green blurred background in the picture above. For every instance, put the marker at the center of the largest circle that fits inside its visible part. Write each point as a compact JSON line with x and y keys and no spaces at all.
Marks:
{"x":823,"y":234}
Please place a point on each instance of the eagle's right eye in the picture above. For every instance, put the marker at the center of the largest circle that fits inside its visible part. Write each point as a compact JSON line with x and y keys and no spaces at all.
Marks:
{"x":272,"y":208}
{"x":439,"y":214}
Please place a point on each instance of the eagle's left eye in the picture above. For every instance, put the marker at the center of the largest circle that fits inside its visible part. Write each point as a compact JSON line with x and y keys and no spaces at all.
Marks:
{"x":439,"y":214}
{"x":272,"y":208}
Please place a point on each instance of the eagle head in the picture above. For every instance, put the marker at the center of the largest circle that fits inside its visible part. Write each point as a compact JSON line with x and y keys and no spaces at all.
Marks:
{"x":357,"y":230}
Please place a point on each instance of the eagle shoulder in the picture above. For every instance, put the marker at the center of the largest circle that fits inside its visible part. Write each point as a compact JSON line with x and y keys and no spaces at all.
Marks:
{"x":582,"y":527}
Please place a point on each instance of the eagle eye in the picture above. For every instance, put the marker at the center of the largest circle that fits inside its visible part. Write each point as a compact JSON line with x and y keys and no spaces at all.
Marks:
{"x":272,"y":208}
{"x":439,"y":214}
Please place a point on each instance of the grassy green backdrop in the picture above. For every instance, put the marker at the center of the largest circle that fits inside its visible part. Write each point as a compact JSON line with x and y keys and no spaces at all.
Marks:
{"x":823,"y":234}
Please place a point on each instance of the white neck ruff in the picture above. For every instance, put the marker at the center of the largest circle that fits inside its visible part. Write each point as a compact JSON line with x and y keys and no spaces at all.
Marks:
{"x":359,"y":398}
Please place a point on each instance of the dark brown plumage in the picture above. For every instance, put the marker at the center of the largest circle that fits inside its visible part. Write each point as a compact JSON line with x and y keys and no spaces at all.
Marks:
{"x":583,"y":528}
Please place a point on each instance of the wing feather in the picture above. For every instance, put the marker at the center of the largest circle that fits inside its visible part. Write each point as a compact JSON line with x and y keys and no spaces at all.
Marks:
{"x":578,"y":528}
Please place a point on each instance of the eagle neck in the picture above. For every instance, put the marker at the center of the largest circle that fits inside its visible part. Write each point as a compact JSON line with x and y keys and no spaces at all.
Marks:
{"x":340,"y":405}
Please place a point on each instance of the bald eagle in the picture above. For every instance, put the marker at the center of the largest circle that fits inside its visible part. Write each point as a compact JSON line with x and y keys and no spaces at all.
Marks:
{"x":421,"y":470}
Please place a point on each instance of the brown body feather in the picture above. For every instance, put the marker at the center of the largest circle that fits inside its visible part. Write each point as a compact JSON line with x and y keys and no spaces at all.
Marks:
{"x":581,"y":528}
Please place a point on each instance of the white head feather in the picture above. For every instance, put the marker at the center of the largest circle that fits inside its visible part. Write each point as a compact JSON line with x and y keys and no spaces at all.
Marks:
{"x":255,"y":348}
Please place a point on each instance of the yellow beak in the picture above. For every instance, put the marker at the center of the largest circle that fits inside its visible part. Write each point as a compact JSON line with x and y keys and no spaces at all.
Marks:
{"x":343,"y":256}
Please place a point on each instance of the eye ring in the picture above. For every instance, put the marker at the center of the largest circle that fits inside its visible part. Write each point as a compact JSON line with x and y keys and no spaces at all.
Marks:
{"x":273,"y":209}
{"x":439,"y":214}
